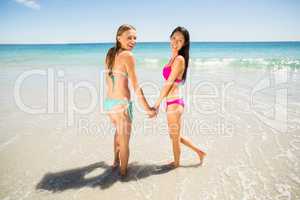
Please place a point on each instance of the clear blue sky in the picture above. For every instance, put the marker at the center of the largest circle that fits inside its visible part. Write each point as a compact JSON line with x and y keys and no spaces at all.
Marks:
{"x":59,"y":21}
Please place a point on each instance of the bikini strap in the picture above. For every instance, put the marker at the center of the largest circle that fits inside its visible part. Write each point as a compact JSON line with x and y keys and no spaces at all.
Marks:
{"x":172,"y":61}
{"x":113,"y":77}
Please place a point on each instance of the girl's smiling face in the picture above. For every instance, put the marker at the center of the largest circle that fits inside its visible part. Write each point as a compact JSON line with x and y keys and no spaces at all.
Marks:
{"x":128,"y":39}
{"x":177,"y":41}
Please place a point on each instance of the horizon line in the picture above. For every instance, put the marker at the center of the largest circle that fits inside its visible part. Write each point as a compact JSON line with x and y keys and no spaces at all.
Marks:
{"x":212,"y":41}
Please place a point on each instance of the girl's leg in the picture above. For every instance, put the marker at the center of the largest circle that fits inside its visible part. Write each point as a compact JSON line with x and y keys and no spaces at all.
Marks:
{"x":116,"y":150}
{"x":113,"y":117}
{"x":123,"y":130}
{"x":189,"y":144}
{"x":174,"y":122}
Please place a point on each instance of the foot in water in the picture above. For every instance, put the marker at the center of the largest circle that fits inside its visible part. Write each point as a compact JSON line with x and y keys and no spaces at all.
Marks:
{"x":201,"y":155}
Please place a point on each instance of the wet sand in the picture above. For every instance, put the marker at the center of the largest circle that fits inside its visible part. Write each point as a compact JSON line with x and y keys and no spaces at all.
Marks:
{"x":249,"y":156}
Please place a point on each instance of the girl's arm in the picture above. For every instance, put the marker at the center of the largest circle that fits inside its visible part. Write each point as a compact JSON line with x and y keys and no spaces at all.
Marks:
{"x":130,"y":66}
{"x":177,"y":69}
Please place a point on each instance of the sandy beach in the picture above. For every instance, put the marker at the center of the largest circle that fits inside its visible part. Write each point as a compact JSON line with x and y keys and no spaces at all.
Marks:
{"x":249,"y":128}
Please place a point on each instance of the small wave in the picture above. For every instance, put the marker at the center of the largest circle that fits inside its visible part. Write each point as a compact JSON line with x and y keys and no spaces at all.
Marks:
{"x":246,"y":62}
{"x":151,"y":60}
{"x":212,"y":61}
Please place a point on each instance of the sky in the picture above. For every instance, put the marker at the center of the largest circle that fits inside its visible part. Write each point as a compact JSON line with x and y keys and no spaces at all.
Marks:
{"x":85,"y":21}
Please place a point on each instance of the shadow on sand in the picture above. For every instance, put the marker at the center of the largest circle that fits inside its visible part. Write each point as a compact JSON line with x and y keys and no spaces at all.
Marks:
{"x":75,"y":178}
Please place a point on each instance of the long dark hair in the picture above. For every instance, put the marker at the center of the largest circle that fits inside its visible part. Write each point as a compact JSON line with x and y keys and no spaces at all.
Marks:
{"x":112,"y":52}
{"x":185,"y":49}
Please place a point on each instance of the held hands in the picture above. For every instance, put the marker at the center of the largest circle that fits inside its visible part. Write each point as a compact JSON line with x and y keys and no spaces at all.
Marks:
{"x":153,"y":111}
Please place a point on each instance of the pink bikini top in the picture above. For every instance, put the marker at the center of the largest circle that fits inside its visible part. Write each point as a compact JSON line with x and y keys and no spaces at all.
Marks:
{"x":167,"y":71}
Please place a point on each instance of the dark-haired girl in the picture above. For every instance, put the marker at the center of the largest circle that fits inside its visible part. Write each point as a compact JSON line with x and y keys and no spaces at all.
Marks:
{"x":175,"y":73}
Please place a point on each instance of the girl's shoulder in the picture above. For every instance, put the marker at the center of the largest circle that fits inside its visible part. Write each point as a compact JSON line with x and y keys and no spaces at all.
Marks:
{"x":179,"y":59}
{"x":126,"y":54}
{"x":126,"y":57}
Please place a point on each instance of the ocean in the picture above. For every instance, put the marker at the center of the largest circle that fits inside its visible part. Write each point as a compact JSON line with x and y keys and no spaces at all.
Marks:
{"x":154,"y":54}
{"x":242,"y":107}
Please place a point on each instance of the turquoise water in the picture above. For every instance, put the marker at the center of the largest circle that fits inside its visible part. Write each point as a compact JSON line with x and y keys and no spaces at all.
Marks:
{"x":243,"y":54}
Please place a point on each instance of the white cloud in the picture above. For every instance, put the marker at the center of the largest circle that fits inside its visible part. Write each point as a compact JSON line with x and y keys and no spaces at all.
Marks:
{"x":30,"y":3}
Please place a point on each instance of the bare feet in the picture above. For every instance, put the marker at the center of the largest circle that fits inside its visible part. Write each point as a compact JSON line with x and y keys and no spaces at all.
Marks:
{"x":201,"y":155}
{"x":173,"y":164}
{"x":123,"y":172}
{"x":116,"y":162}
